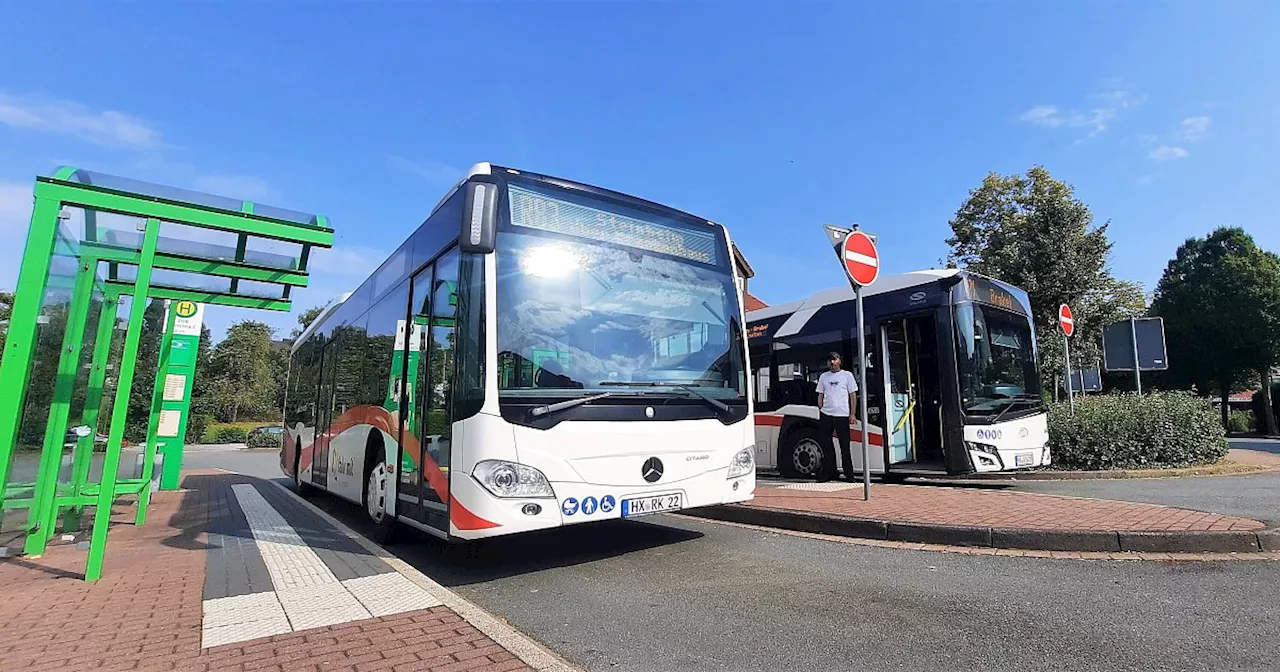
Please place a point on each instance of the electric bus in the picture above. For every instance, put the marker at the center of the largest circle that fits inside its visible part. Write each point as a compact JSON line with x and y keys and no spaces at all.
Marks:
{"x":953,"y":385}
{"x":538,"y":353}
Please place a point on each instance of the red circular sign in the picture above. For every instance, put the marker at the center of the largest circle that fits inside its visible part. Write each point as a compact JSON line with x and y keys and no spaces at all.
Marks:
{"x":861,"y":260}
{"x":1066,"y":320}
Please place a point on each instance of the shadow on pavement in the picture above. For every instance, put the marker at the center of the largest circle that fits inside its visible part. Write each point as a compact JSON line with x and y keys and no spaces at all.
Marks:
{"x":460,"y":564}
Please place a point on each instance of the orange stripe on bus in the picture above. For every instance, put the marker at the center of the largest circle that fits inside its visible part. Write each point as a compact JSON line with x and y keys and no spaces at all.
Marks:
{"x":381,"y":418}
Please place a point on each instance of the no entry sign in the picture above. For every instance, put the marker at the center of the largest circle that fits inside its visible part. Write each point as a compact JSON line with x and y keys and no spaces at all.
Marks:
{"x":861,"y":260}
{"x":1066,"y":320}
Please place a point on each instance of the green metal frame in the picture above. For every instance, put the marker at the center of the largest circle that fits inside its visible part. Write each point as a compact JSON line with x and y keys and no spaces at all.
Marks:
{"x":46,"y":499}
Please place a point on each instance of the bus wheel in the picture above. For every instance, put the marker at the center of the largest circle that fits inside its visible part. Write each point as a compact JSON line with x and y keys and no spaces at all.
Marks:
{"x":376,"y":490}
{"x":802,"y":454}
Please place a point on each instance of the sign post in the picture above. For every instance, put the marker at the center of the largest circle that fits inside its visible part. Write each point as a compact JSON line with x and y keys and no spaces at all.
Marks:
{"x":1135,"y":344}
{"x":1068,"y":323}
{"x":1137,"y":369}
{"x":177,"y":375}
{"x":861,"y":260}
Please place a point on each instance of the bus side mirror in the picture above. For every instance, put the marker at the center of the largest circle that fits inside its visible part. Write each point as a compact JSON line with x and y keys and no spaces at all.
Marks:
{"x":479,"y":217}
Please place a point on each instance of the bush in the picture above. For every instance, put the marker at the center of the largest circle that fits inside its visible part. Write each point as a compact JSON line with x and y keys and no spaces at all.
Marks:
{"x":227,"y":434}
{"x":1127,"y":431}
{"x":1240,"y":422}
{"x":197,"y":426}
{"x":263,"y":440}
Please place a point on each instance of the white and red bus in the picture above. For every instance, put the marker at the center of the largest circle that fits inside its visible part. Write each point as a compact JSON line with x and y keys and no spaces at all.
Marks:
{"x":951,"y":371}
{"x":538,"y":353}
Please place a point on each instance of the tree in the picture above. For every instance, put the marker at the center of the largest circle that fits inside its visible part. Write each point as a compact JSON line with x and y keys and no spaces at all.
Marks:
{"x":243,"y":381}
{"x":6,"y":311}
{"x":1220,"y":300}
{"x":1031,"y":231}
{"x":305,"y":318}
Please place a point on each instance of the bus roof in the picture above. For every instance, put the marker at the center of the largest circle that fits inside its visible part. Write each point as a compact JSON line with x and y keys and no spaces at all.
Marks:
{"x":319,"y":321}
{"x":885,"y":284}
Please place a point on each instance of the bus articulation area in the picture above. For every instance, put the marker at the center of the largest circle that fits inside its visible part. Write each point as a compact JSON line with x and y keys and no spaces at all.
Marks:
{"x":951,"y":372}
{"x":538,"y":353}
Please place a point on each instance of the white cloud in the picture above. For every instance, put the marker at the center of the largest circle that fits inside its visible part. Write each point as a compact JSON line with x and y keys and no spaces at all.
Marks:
{"x":1193,"y":129}
{"x":1167,"y":153}
{"x":1100,"y":109}
{"x":106,"y":127}
{"x":434,"y":172}
{"x":242,"y":187}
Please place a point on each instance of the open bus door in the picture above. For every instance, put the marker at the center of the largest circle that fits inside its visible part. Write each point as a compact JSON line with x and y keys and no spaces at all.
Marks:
{"x":913,"y":393}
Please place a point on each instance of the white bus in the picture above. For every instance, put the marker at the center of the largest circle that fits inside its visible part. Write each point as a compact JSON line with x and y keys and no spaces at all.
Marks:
{"x":538,"y":353}
{"x":951,"y":367}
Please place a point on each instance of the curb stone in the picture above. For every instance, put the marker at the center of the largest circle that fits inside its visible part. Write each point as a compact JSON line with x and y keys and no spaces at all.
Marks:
{"x":1225,"y":541}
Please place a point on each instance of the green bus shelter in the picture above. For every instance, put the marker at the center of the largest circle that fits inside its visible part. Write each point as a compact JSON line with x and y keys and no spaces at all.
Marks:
{"x":100,"y":249}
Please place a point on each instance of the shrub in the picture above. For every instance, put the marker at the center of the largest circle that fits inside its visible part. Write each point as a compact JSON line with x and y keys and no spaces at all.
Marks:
{"x":197,"y":425}
{"x":1127,"y":431}
{"x":227,"y":434}
{"x":263,"y":440}
{"x":1241,"y":422}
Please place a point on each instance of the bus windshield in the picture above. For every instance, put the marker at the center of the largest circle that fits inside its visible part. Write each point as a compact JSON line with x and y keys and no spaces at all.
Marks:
{"x":997,"y":361}
{"x":593,"y":295}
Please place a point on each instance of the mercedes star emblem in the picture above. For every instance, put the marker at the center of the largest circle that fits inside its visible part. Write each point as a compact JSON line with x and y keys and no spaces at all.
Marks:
{"x":652,"y":470}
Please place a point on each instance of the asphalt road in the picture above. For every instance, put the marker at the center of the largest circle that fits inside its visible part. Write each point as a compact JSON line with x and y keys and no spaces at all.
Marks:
{"x":686,"y":595}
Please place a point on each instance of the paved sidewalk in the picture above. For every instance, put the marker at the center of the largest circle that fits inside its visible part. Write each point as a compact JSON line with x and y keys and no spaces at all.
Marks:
{"x":997,"y":518}
{"x":235,"y":573}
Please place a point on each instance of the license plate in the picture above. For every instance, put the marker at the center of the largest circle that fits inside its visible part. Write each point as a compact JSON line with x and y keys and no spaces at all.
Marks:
{"x":643,"y":506}
{"x":1023,"y":459}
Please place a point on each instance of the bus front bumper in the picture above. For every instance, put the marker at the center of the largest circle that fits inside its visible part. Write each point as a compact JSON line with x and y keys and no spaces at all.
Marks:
{"x":578,"y":502}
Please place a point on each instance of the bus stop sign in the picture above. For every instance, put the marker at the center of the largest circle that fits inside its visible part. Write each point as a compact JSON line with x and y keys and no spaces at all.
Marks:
{"x":1066,"y":319}
{"x":861,"y":260}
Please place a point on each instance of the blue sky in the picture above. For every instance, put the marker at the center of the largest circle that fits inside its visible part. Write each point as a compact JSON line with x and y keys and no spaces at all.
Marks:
{"x":771,"y":118}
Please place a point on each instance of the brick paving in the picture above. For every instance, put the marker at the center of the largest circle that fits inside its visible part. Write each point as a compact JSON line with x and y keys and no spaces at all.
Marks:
{"x":146,"y":611}
{"x":973,"y":507}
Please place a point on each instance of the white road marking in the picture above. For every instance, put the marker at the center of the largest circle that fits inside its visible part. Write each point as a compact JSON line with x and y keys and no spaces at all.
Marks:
{"x":307,"y":594}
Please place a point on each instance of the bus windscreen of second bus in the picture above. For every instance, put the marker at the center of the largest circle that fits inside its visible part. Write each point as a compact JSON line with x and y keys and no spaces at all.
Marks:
{"x":997,"y":359}
{"x":593,"y":295}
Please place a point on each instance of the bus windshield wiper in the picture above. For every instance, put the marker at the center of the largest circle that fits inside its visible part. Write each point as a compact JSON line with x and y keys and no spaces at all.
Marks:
{"x":690,"y":389}
{"x":1012,"y":402}
{"x":539,"y":411}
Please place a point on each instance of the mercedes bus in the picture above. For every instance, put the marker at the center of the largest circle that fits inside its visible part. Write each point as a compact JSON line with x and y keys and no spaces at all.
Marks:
{"x":538,"y":353}
{"x":953,"y":385}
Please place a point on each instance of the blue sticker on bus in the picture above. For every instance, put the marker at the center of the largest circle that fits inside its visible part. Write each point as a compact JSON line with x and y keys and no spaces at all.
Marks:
{"x":569,"y":507}
{"x":588,"y":506}
{"x":606,"y":503}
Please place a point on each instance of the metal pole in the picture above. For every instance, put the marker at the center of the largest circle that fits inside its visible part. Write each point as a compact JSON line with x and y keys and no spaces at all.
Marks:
{"x":862,"y":401}
{"x":1137,"y":368}
{"x":1071,"y":397}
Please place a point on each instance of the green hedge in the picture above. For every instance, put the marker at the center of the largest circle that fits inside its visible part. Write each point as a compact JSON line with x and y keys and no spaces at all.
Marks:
{"x":1241,"y":422}
{"x":1127,"y":431}
{"x":263,"y":440}
{"x":227,"y":434}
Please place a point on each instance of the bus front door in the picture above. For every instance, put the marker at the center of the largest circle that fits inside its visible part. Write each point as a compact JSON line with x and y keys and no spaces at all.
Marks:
{"x":913,"y":393}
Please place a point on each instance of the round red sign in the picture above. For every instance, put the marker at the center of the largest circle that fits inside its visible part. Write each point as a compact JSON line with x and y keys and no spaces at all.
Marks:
{"x":1066,"y":320}
{"x":861,"y":260}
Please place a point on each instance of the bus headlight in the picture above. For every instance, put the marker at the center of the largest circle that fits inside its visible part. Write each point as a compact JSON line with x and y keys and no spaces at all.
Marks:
{"x":743,"y":463}
{"x":510,"y":479}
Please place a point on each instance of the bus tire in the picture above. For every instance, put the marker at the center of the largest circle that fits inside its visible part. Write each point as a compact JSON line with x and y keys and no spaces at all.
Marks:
{"x":803,"y":453}
{"x":377,"y":488}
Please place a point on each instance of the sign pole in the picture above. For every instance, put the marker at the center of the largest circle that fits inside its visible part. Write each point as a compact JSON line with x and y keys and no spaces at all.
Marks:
{"x":862,"y":400}
{"x":861,"y":260}
{"x":1071,"y":397}
{"x":1137,"y":368}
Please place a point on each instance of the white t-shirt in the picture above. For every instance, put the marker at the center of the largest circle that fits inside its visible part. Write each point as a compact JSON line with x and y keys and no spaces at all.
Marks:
{"x":835,"y":388}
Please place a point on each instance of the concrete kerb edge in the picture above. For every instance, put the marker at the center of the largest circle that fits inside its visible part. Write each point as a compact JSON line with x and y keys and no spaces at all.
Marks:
{"x":1225,"y":541}
{"x":520,"y":645}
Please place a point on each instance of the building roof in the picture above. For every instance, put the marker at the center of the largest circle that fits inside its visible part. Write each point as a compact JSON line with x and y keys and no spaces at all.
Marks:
{"x":754,"y":303}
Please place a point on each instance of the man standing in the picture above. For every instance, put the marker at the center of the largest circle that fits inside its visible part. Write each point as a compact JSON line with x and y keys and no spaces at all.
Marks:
{"x":837,"y":397}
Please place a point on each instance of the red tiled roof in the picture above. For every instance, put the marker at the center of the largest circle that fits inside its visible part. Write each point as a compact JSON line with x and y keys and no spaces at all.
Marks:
{"x":755,"y":304}
{"x":1241,"y":397}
